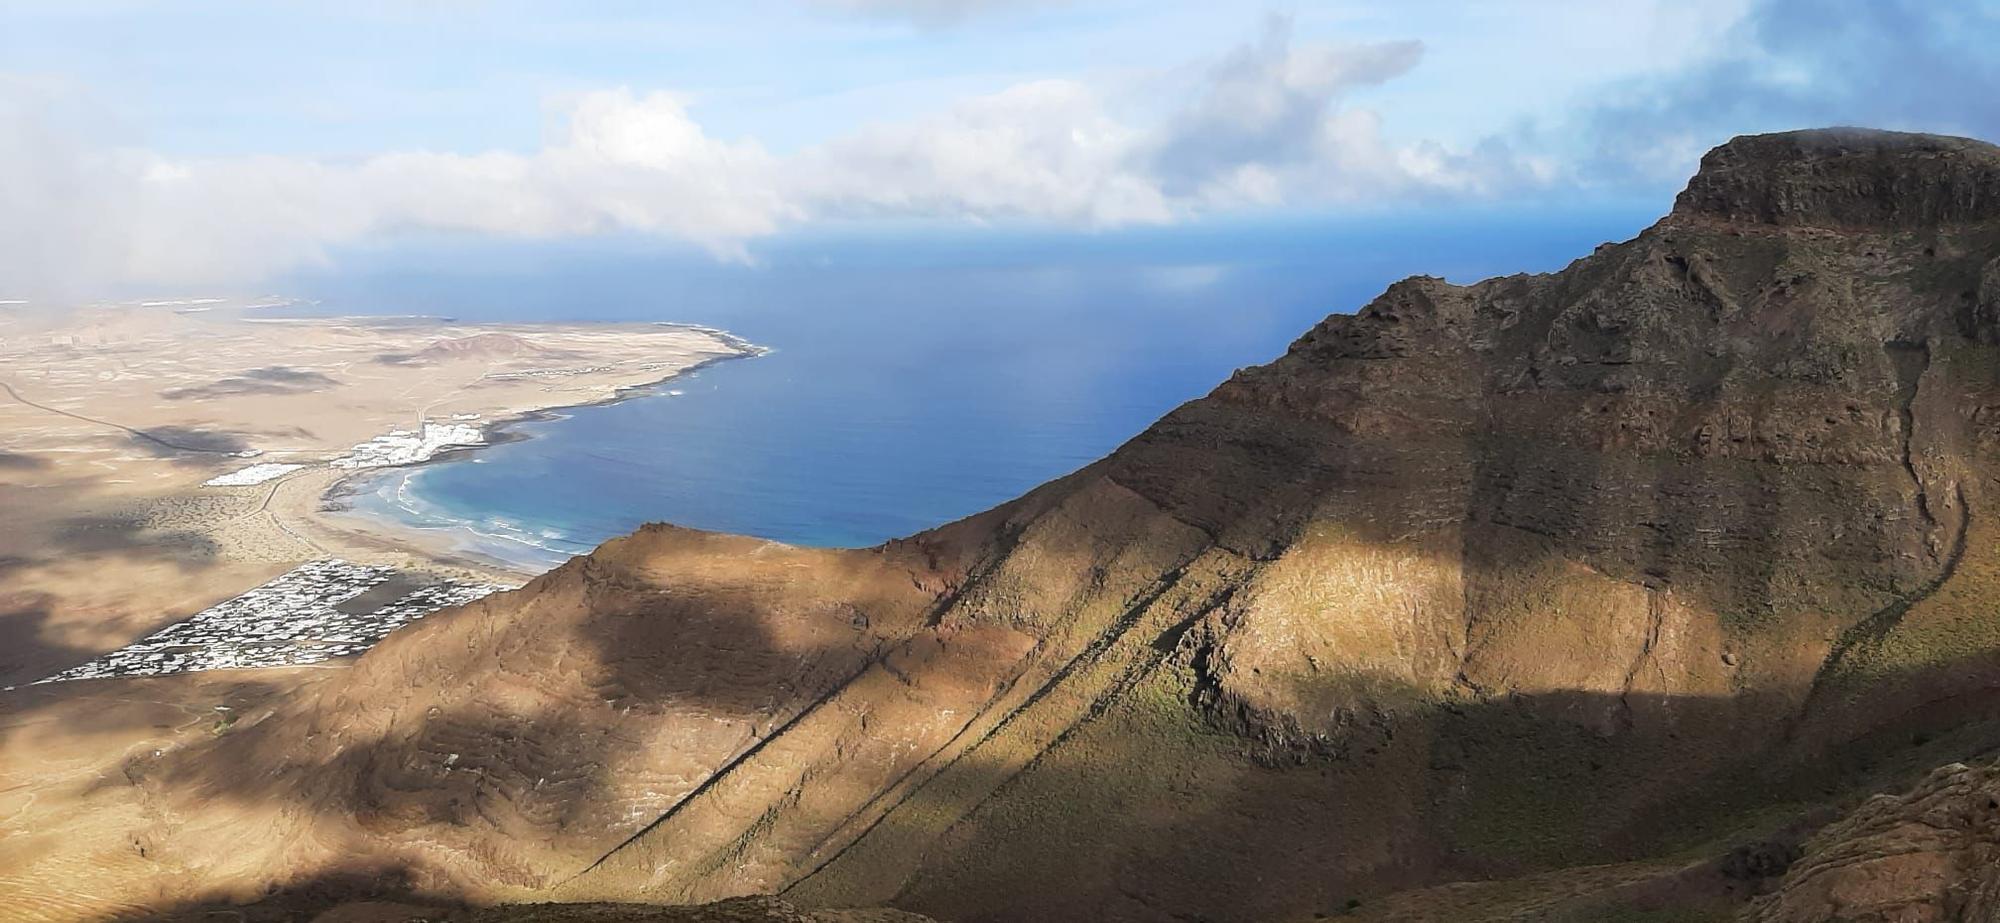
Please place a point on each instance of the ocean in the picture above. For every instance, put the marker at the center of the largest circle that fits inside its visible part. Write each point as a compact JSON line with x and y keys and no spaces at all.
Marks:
{"x":913,"y":378}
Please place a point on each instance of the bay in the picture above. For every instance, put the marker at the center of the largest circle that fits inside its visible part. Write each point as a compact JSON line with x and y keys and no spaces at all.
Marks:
{"x":913,"y":379}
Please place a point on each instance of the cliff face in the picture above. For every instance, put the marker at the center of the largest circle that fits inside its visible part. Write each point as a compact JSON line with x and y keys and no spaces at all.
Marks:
{"x":1847,"y":178}
{"x":1480,"y":580}
{"x":1930,"y":855}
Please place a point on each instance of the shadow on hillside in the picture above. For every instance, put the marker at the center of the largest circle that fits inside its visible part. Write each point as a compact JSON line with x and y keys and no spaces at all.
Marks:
{"x":35,"y":718}
{"x":1479,"y":789}
{"x":1535,"y":786}
{"x":721,"y":665}
{"x":505,"y":749}
{"x":1482,"y":788}
{"x":505,"y":731}
{"x":1496,"y":790}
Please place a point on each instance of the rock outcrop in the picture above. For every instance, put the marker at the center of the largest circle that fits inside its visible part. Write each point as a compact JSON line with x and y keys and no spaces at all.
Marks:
{"x":1480,"y":580}
{"x":737,"y":910}
{"x":1847,"y":178}
{"x":1929,"y":856}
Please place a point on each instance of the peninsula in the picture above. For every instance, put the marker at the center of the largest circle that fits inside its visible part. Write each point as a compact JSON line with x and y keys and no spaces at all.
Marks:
{"x":162,"y":459}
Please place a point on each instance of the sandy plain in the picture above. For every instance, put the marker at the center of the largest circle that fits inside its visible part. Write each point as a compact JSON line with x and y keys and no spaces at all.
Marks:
{"x":112,"y":420}
{"x":114,"y":417}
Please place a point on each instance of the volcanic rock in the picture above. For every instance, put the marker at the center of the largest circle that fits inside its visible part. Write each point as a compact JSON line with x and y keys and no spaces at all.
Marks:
{"x":1481,"y":580}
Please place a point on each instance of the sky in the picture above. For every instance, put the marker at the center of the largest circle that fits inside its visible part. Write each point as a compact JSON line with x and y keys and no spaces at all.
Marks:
{"x":228,"y":142}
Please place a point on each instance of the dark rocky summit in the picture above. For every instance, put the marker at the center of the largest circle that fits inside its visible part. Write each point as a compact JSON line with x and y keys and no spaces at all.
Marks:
{"x":1581,"y":581}
{"x":1847,"y":178}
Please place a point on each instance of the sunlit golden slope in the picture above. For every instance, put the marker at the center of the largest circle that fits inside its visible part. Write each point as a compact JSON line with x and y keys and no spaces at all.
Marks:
{"x":1631,"y":563}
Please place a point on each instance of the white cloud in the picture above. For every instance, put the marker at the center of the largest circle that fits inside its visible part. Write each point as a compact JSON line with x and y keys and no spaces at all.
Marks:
{"x":80,"y":215}
{"x":1268,"y":105}
{"x":931,"y":13}
{"x":1901,"y":64}
{"x":1263,"y":126}
{"x":1043,"y":150}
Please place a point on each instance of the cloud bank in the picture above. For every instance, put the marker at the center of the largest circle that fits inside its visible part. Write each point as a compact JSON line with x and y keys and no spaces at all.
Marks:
{"x":1271,"y":123}
{"x":931,"y":14}
{"x":1265,"y":125}
{"x":1900,"y":64}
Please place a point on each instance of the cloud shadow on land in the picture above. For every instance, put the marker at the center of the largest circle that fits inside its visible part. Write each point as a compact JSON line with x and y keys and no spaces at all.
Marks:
{"x":188,"y":444}
{"x":1501,"y":786}
{"x":132,"y":536}
{"x":25,"y":653}
{"x":665,"y":656}
{"x":20,"y":461}
{"x":1292,"y":825}
{"x":275,"y":379}
{"x":712,"y":660}
{"x":566,"y":718}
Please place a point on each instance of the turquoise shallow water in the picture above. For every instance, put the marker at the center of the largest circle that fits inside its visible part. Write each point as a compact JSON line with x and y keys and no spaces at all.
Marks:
{"x":912,"y":380}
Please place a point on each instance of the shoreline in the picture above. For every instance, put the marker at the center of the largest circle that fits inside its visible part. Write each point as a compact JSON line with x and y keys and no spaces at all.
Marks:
{"x":335,"y":498}
{"x":499,"y":431}
{"x":161,"y":463}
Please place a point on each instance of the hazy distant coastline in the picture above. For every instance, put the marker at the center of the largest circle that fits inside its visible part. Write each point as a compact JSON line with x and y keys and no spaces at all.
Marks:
{"x":458,"y":542}
{"x":383,"y":497}
{"x":221,"y":442}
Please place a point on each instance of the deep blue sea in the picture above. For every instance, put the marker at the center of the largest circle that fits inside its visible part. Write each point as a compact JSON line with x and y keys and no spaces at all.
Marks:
{"x":914,"y":378}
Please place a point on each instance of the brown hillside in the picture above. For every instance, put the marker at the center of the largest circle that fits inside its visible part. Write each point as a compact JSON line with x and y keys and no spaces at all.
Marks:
{"x":1930,"y":855}
{"x":1639,"y":560}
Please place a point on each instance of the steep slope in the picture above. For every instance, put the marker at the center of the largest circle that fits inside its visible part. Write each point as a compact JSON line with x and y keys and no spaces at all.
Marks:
{"x":737,"y":910}
{"x":1930,"y":855}
{"x":1632,"y":559}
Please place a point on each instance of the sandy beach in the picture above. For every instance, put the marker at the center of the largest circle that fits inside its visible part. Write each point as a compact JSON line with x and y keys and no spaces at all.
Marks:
{"x":156,"y":460}
{"x":168,"y":472}
{"x":161,"y":465}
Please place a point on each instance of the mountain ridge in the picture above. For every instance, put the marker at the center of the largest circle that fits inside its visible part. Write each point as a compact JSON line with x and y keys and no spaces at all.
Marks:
{"x":1481,"y":581}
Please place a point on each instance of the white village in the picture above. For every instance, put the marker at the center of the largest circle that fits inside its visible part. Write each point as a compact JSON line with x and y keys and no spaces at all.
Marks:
{"x":315,"y":612}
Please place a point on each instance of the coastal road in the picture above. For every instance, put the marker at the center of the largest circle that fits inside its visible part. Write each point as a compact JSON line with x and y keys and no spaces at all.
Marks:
{"x":139,"y":433}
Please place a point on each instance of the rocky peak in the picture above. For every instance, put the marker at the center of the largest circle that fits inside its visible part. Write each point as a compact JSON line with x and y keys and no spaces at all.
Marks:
{"x":1482,"y":580}
{"x":1846,"y":177}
